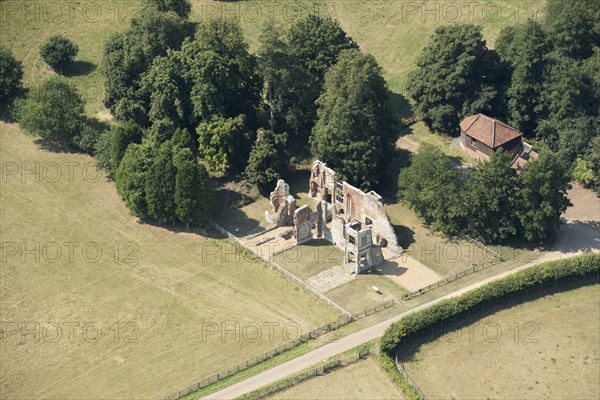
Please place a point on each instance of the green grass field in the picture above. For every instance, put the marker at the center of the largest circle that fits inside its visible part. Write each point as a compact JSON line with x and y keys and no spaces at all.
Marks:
{"x":547,"y":348}
{"x":310,"y":258}
{"x":363,"y":380}
{"x":160,"y":287}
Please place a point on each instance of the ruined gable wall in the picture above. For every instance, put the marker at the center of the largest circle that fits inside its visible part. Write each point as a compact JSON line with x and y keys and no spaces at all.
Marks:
{"x":361,"y":205}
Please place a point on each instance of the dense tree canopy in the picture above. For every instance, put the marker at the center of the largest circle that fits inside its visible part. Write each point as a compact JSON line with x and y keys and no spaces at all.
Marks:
{"x":355,"y":125}
{"x":489,"y":200}
{"x":456,"y":76}
{"x":542,"y":197}
{"x":54,"y":111}
{"x":179,"y":7}
{"x":11,"y":75}
{"x":430,"y":184}
{"x":58,"y":51}
{"x":224,"y":143}
{"x":213,"y":74}
{"x":267,"y":160}
{"x":555,"y":81}
{"x":524,"y":47}
{"x":193,"y":195}
{"x":293,"y":68}
{"x":160,"y":186}
{"x":128,"y":55}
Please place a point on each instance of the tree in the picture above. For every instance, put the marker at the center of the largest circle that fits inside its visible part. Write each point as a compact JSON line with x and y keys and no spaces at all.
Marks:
{"x":273,"y":64}
{"x":456,"y":76}
{"x":122,"y":136}
{"x":129,"y":55}
{"x":266,"y":162}
{"x":568,"y":92}
{"x":574,"y":137}
{"x":593,"y":157}
{"x":54,"y":110}
{"x":489,"y":200}
{"x":58,"y":52}
{"x":213,"y":74}
{"x":193,"y":195}
{"x":582,"y":172}
{"x":180,"y":7}
{"x":224,"y":143}
{"x":574,"y":27}
{"x":542,"y":196}
{"x":90,"y":133}
{"x":160,"y":186}
{"x":432,"y":187}
{"x":355,"y":125}
{"x":317,"y":42}
{"x":224,"y":77}
{"x":11,"y":75}
{"x":103,"y":152}
{"x":131,"y":178}
{"x":314,"y":45}
{"x":524,"y":48}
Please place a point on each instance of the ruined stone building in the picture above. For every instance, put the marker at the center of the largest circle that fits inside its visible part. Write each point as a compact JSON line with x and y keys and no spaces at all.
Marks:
{"x":359,"y":223}
{"x":351,"y":219}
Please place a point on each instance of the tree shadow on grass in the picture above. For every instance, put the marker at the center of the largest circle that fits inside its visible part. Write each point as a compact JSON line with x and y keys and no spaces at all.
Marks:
{"x":56,"y":147}
{"x":405,"y":235}
{"x":78,"y":68}
{"x":179,"y":227}
{"x":400,"y":105}
{"x":388,"y":186}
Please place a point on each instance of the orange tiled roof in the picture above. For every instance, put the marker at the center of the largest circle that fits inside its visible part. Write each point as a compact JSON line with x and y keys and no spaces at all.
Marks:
{"x":489,"y":131}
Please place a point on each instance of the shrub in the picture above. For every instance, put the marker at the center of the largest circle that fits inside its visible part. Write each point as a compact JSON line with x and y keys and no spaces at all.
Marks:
{"x":58,"y":51}
{"x":54,"y":110}
{"x":11,"y":74}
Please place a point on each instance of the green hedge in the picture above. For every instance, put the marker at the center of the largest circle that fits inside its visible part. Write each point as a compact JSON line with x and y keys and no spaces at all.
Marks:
{"x":447,"y":310}
{"x":388,"y":365}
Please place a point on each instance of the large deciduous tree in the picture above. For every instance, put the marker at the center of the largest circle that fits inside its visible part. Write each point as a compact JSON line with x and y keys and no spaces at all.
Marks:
{"x":456,"y":76}
{"x":432,"y":186}
{"x":542,"y":197}
{"x":314,"y":44}
{"x":128,"y":55}
{"x":524,"y":48}
{"x":355,"y":126}
{"x":54,"y":111}
{"x":489,"y":200}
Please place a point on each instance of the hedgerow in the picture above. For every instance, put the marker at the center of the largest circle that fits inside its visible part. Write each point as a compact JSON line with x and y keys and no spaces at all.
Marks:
{"x":430,"y":318}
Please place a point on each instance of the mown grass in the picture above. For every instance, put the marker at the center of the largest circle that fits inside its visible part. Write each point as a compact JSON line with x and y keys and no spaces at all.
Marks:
{"x":162,"y":286}
{"x":546,"y":348}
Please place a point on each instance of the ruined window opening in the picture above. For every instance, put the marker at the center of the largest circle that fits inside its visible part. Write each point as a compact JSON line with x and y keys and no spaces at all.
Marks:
{"x":339,"y":192}
{"x":368,"y":221}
